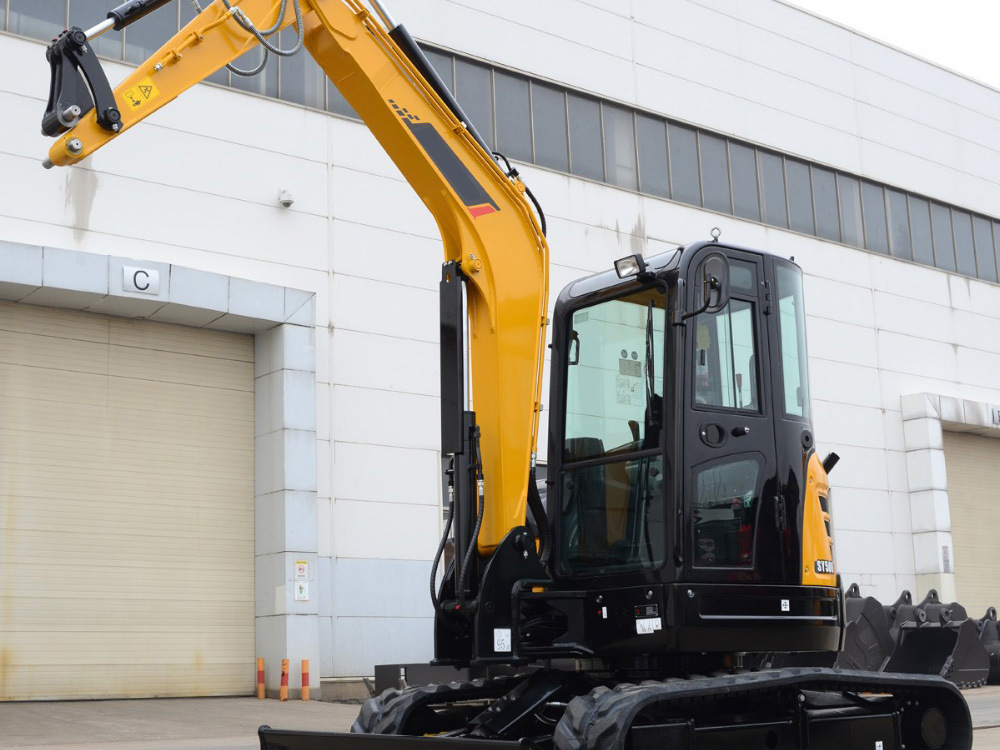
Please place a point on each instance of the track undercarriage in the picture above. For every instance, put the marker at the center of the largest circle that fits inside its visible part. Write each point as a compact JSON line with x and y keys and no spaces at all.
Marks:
{"x":791,"y":708}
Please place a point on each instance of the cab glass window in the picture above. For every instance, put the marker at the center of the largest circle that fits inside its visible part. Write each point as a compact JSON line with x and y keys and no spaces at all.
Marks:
{"x":612,"y":515}
{"x":727,"y":494}
{"x":792,"y":340}
{"x":614,"y":383}
{"x":725,"y":354}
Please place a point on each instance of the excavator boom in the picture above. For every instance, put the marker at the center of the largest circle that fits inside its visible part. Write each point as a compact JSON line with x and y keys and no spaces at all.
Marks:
{"x":487,"y":225}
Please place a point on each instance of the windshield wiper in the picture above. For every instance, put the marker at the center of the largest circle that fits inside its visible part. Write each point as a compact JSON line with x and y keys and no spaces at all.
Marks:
{"x":653,"y":402}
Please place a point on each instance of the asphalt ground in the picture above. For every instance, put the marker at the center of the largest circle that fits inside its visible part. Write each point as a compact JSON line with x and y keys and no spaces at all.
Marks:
{"x":231,"y":723}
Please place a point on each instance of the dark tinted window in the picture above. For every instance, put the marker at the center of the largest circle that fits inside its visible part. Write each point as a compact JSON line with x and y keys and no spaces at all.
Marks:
{"x":548,"y":121}
{"x":746,"y":200}
{"x":585,"y":157}
{"x":899,"y":225}
{"x":474,"y":91}
{"x":442,"y":65}
{"x":684,"y":184}
{"x":996,"y":244}
{"x":653,"y":175}
{"x":825,"y":202}
{"x":876,"y":237}
{"x":513,"y":116}
{"x":851,"y":224}
{"x":265,"y":83}
{"x":800,"y":204}
{"x":42,"y":19}
{"x":302,"y":80}
{"x":715,"y":173}
{"x":335,"y":101}
{"x":944,"y":246}
{"x":619,"y":147}
{"x":772,"y":177}
{"x":920,"y":225}
{"x":143,"y":38}
{"x":985,"y":259}
{"x":726,"y":510}
{"x":965,"y":251}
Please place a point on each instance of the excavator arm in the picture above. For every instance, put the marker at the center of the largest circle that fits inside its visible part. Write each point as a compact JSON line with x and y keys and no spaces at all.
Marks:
{"x":491,"y":236}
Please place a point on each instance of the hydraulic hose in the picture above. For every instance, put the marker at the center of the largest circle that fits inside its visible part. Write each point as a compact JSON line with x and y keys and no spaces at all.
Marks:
{"x":444,"y":537}
{"x":541,"y":519}
{"x":476,"y":469}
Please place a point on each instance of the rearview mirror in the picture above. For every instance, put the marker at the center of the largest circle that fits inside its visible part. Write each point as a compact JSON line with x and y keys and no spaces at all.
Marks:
{"x":714,"y":283}
{"x":712,"y":293}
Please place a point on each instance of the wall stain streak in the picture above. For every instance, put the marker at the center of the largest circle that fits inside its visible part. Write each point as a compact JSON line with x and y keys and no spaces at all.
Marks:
{"x":81,"y":188}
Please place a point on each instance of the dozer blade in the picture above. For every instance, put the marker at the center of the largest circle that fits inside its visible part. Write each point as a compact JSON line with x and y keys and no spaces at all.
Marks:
{"x":953,"y":652}
{"x":288,"y":739}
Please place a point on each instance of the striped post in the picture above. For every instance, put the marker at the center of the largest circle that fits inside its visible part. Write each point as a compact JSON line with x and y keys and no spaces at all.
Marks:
{"x":260,"y":677}
{"x":305,"y":679}
{"x":284,"y":680}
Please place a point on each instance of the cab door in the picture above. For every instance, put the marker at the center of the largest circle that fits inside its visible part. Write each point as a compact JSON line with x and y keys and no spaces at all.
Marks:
{"x":730,"y":503}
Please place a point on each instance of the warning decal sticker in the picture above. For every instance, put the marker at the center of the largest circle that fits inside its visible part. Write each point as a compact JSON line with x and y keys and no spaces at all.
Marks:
{"x":141,"y":93}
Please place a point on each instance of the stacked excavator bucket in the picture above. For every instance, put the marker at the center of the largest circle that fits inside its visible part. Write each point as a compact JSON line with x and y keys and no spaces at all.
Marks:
{"x":989,"y":637}
{"x":926,"y":638}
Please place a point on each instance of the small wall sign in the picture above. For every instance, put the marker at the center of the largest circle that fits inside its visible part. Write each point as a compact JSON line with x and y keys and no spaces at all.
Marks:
{"x":140,"y":280}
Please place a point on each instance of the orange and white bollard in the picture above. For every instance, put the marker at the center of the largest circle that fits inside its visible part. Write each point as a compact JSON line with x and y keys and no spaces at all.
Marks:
{"x":305,"y":679}
{"x":284,"y":680}
{"x":260,"y":678}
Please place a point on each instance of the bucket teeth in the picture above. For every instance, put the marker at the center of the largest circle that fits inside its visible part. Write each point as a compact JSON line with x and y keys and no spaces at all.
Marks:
{"x":927,"y":637}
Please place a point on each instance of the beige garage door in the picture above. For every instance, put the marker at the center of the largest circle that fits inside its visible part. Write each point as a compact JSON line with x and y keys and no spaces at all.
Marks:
{"x":973,"y":465}
{"x":126,"y":508}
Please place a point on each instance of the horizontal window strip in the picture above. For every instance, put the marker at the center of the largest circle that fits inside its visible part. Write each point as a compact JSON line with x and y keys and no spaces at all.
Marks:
{"x":537,"y":122}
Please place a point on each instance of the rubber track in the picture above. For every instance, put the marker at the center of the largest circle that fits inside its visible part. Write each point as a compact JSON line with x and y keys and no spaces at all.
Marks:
{"x":601,"y":720}
{"x":387,"y":713}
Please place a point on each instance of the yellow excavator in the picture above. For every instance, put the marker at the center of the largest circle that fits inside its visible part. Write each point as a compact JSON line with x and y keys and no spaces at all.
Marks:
{"x":685,"y":530}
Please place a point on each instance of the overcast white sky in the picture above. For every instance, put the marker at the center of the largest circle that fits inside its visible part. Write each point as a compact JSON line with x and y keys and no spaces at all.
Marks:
{"x":963,"y":35}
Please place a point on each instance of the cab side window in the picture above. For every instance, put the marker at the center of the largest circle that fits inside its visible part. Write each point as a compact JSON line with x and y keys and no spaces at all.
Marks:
{"x":725,"y":362}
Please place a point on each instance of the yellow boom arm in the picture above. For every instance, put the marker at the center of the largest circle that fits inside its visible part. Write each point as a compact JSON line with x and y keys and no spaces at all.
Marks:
{"x":485,"y":220}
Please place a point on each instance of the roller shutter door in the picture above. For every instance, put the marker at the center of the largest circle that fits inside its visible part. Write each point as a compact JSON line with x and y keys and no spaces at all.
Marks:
{"x":126,"y":508}
{"x":973,"y":466}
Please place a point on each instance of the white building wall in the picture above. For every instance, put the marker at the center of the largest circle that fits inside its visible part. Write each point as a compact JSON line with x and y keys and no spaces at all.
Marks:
{"x":196,"y":185}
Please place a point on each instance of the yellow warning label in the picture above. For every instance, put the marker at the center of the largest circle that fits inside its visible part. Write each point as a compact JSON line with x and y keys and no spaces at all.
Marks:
{"x":141,"y":93}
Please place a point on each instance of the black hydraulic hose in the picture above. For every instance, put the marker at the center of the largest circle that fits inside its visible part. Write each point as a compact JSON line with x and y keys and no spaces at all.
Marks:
{"x":538,"y":208}
{"x":541,"y":519}
{"x":511,"y":172}
{"x":437,"y":557}
{"x":476,"y":469}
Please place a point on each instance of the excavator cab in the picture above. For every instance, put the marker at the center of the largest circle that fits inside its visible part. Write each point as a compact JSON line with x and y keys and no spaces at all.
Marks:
{"x":680,"y":456}
{"x":686,"y":508}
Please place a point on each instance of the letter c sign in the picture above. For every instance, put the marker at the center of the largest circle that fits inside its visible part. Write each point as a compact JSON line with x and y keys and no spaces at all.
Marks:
{"x":140,"y":280}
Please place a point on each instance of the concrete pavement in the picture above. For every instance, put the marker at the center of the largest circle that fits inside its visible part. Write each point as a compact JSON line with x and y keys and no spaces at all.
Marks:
{"x":162,"y":724}
{"x":231,"y":723}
